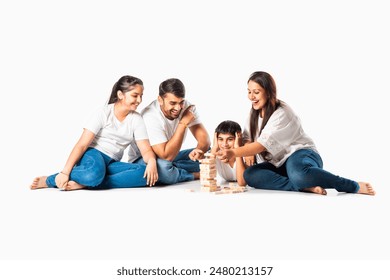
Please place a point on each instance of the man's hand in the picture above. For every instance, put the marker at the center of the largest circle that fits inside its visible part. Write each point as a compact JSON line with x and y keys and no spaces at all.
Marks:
{"x":188,"y":115}
{"x":196,"y":154}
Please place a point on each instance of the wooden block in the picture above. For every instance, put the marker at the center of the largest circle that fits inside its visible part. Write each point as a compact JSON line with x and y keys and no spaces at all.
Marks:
{"x":207,"y":166}
{"x":207,"y":161}
{"x":209,"y":155}
{"x":210,"y":189}
{"x":208,"y":175}
{"x":209,"y":183}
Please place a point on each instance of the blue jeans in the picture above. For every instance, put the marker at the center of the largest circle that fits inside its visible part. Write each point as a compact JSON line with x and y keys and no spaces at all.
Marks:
{"x":303,"y":169}
{"x":178,"y":170}
{"x":95,"y":170}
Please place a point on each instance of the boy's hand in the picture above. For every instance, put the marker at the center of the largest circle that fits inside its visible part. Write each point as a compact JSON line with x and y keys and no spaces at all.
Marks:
{"x":215,"y":147}
{"x":238,"y":140}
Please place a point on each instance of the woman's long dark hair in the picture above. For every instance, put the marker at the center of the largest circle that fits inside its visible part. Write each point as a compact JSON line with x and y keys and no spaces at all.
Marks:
{"x":266,"y":81}
{"x":124,"y":84}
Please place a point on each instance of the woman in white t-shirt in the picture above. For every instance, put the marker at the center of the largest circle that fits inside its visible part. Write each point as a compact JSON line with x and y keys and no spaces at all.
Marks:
{"x":286,"y":157}
{"x":227,"y":135}
{"x":94,"y":162}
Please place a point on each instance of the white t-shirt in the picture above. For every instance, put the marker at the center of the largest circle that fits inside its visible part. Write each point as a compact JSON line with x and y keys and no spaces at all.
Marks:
{"x":225,"y":171}
{"x":282,"y":136}
{"x":160,"y":129}
{"x":112,"y":136}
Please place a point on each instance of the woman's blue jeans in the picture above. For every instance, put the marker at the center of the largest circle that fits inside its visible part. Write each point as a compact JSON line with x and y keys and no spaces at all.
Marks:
{"x":95,"y":170}
{"x":303,"y":169}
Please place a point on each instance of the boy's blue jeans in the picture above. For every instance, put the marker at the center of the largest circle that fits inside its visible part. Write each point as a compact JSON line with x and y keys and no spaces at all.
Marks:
{"x":303,"y":169}
{"x":95,"y":170}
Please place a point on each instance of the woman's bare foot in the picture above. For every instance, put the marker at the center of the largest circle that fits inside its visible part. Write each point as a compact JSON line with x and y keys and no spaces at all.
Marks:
{"x":317,"y":190}
{"x":39,"y":183}
{"x":72,"y":186}
{"x":365,"y":188}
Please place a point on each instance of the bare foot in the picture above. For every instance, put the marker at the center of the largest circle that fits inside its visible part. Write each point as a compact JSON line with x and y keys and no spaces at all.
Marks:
{"x":317,"y":190}
{"x":365,"y":188}
{"x":39,"y":183}
{"x":196,"y":175}
{"x":72,"y":186}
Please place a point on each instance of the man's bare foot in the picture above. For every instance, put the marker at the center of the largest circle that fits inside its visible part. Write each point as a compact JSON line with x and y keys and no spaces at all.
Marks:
{"x":365,"y":188}
{"x":39,"y":183}
{"x":196,"y":175}
{"x":317,"y":190}
{"x":72,"y":186}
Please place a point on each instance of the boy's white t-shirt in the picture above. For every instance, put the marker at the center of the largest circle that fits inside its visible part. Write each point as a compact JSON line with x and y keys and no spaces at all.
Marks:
{"x":225,"y":171}
{"x":159,"y":128}
{"x":282,"y":136}
{"x":112,"y":137}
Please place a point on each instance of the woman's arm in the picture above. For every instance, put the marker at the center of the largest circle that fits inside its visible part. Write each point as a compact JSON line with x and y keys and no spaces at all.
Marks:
{"x":244,"y":151}
{"x":149,"y":157}
{"x":77,"y":152}
{"x":240,"y":165}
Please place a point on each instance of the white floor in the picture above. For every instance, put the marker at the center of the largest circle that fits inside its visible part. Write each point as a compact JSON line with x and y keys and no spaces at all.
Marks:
{"x":173,"y":223}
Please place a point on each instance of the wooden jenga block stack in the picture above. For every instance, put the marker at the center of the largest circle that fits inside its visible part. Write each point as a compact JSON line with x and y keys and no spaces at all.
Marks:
{"x":208,"y":173}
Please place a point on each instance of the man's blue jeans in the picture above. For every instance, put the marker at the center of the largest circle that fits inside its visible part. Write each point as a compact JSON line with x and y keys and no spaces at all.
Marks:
{"x":178,"y":170}
{"x":95,"y":170}
{"x":303,"y":169}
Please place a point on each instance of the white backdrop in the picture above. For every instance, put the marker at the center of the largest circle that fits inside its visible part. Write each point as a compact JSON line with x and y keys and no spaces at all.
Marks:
{"x":60,"y":59}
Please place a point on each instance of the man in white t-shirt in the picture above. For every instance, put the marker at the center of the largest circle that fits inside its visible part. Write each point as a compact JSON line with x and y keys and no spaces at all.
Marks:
{"x":167,"y":120}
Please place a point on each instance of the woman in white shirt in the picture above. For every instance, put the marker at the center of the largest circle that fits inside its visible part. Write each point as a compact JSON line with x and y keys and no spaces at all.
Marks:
{"x":286,"y":157}
{"x":94,"y":162}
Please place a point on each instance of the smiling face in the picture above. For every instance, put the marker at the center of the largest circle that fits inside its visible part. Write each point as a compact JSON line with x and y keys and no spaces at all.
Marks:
{"x":171,"y":105}
{"x":257,"y":95}
{"x":225,"y":141}
{"x":132,"y":98}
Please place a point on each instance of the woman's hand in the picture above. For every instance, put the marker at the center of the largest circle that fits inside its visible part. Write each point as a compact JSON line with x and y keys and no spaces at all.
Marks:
{"x":151,"y":173}
{"x":62,"y":180}
{"x":249,"y":161}
{"x":225,"y":155}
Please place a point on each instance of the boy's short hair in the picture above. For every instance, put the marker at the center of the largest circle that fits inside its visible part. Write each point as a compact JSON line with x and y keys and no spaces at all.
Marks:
{"x":228,"y":127}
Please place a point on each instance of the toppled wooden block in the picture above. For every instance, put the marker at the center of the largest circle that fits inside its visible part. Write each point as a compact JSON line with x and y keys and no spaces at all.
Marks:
{"x":210,"y":188}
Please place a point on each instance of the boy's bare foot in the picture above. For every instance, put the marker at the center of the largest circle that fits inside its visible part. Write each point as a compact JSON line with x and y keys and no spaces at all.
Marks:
{"x":365,"y":188}
{"x":196,"y":175}
{"x":72,"y":186}
{"x":39,"y":183}
{"x":317,"y":190}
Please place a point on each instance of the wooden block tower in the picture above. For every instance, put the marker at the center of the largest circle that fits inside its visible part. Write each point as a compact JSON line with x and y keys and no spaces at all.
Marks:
{"x":208,"y":173}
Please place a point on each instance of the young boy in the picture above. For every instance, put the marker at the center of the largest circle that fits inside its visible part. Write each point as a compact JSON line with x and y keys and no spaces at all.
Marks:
{"x":228,"y":136}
